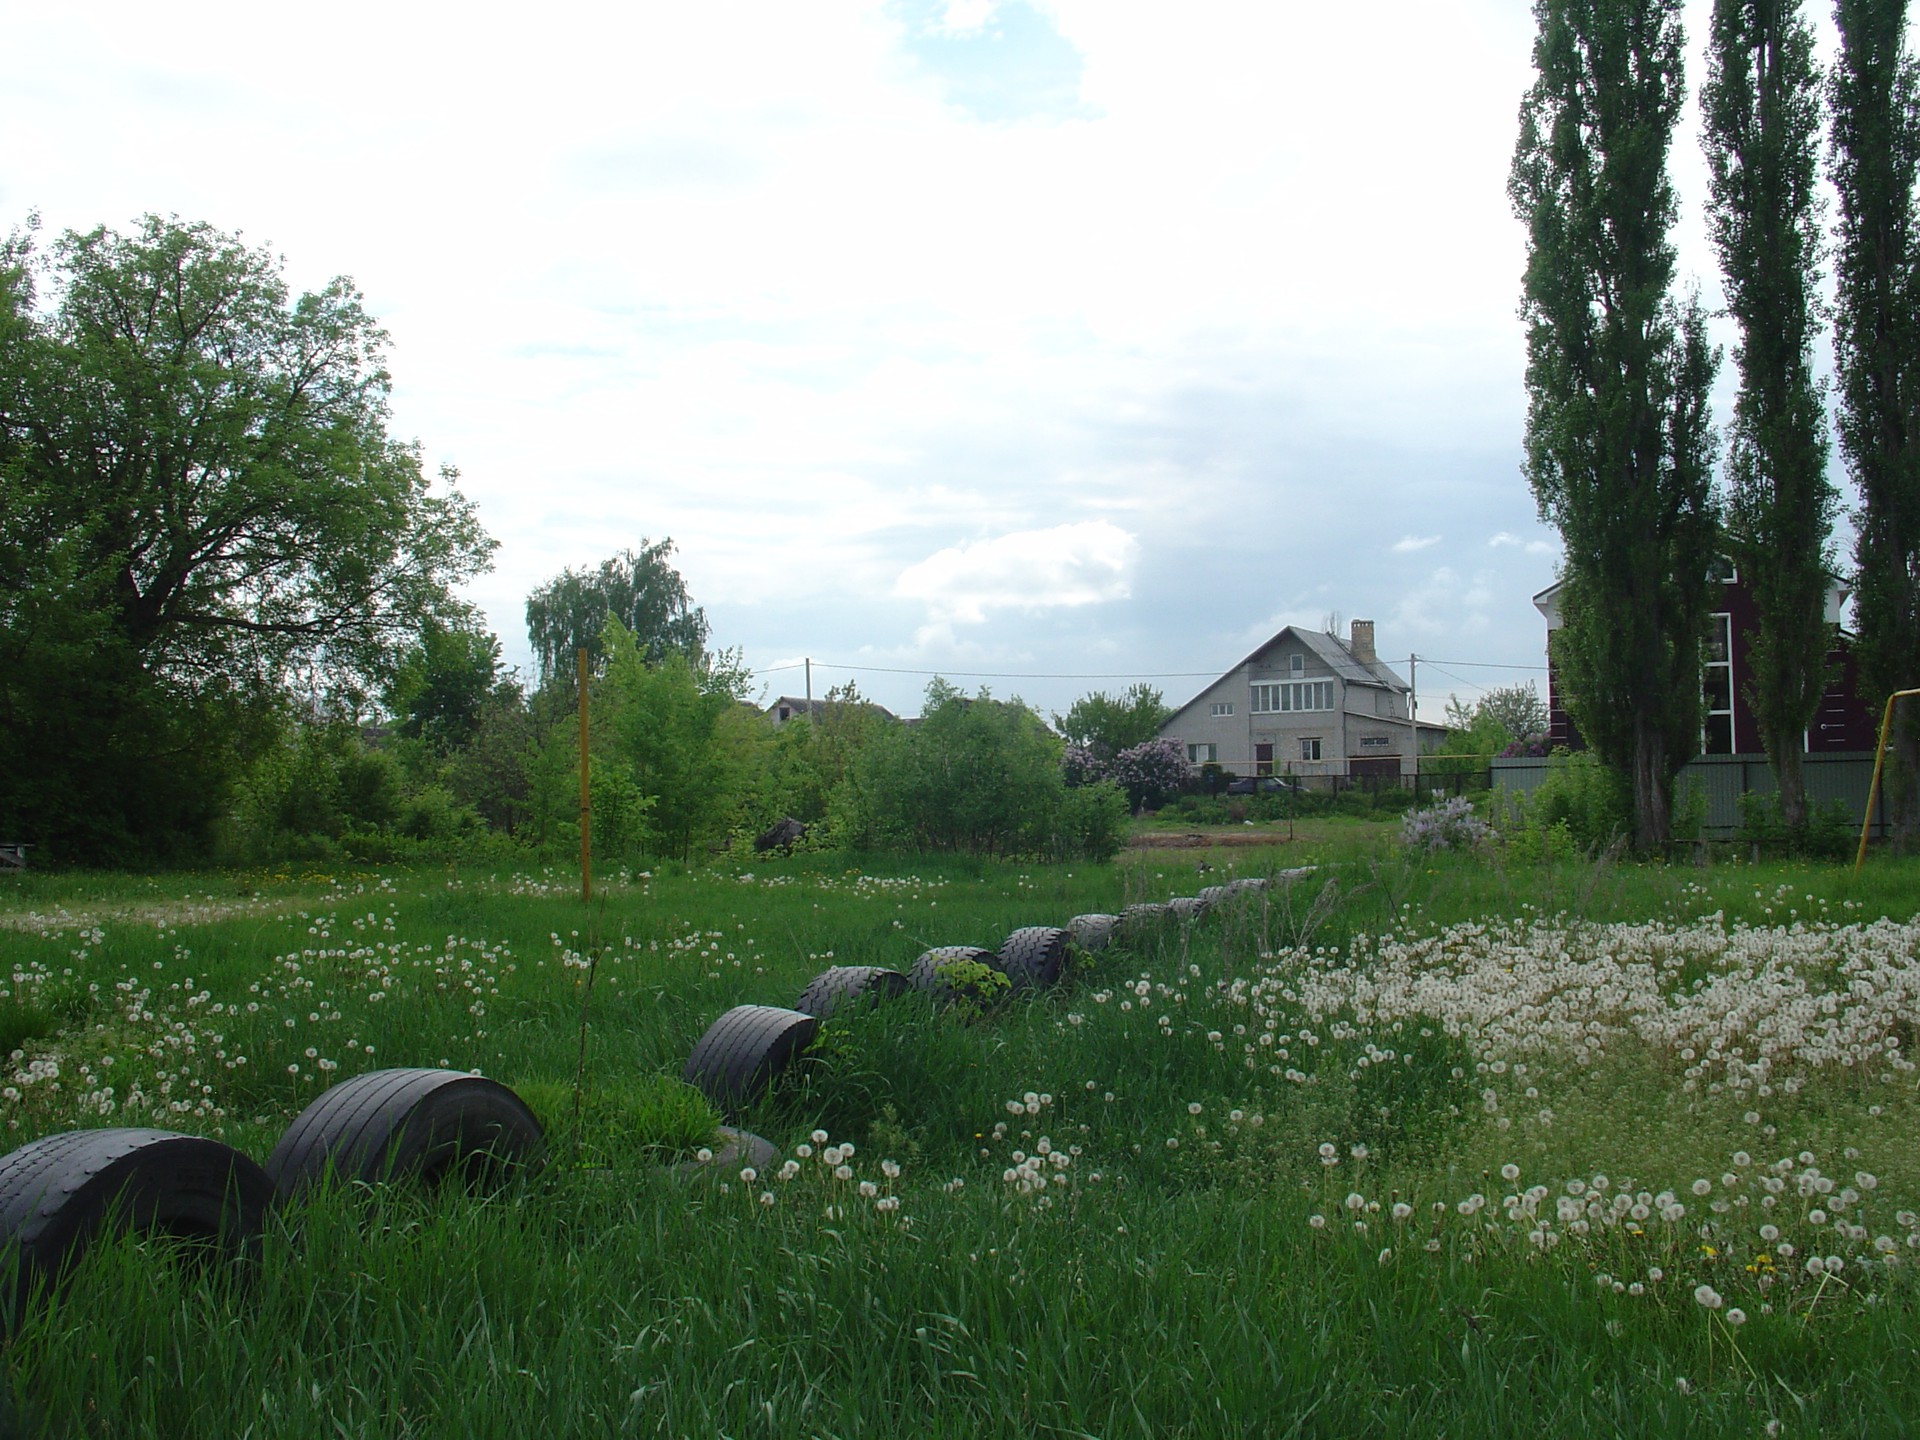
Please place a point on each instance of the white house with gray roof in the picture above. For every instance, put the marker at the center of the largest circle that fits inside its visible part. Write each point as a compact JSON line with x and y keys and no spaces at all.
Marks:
{"x":1305,"y":703}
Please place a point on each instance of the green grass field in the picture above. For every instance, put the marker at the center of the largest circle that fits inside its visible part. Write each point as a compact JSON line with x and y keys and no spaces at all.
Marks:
{"x":1413,"y":1146}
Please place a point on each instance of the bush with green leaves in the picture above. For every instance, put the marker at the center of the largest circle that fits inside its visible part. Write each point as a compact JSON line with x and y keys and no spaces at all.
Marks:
{"x":977,"y":775}
{"x":1589,"y":800}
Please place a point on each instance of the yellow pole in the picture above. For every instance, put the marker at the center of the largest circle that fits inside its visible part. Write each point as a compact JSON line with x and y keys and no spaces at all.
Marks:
{"x":1873,"y":790}
{"x":586,"y":816}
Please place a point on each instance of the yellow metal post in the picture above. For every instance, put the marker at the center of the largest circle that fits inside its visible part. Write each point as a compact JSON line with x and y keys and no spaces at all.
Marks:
{"x":586,"y":815}
{"x":1873,"y":790}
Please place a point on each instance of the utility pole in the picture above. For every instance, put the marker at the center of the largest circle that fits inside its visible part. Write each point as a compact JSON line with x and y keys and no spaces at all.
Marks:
{"x":809,"y":689}
{"x":1413,"y":718}
{"x":586,"y":810}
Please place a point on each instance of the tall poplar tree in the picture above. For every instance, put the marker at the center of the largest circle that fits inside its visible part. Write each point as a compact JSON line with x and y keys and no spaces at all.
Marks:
{"x":1876,"y":153}
{"x":1762,"y":110}
{"x":1619,"y":448}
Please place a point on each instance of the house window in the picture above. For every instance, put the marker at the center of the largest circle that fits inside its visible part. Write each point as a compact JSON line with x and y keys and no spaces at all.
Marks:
{"x":1716,"y":687}
{"x":1202,"y":754}
{"x":1284,"y":699}
{"x":1222,"y":707}
{"x":1296,"y":664}
{"x":1263,"y":758}
{"x":1310,"y":747}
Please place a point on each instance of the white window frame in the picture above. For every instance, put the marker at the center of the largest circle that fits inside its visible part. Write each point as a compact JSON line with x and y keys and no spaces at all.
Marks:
{"x":1310,"y":749}
{"x":1722,"y":621}
{"x":1203,"y":753}
{"x":1221,"y":708}
{"x":1296,"y":665}
{"x":1287,"y":697}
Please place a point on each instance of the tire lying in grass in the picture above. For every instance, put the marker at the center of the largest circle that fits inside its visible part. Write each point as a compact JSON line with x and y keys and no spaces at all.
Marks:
{"x":1034,"y":958}
{"x":947,"y":974}
{"x":737,"y":1148}
{"x":60,"y":1192}
{"x":421,"y":1125}
{"x":1214,"y":895}
{"x":1092,"y":932}
{"x":744,"y":1052}
{"x":1145,"y":917}
{"x":1186,"y":907}
{"x":847,"y":985}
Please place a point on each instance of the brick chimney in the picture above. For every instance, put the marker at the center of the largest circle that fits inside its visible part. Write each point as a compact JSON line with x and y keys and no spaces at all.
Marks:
{"x":1362,"y":642}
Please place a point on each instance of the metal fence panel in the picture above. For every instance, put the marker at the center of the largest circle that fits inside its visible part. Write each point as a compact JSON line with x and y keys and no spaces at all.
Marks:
{"x":1723,"y":779}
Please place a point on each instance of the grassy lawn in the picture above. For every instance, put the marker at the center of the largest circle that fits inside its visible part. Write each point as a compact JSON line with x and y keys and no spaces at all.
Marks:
{"x":1414,"y":1145}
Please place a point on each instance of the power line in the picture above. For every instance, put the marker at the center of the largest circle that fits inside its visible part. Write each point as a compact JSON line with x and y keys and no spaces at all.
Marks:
{"x":1005,"y":674}
{"x":1101,"y":674}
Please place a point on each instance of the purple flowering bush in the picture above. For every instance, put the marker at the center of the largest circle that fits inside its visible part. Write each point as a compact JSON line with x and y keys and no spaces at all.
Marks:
{"x":1450,"y":825}
{"x":1150,"y":771}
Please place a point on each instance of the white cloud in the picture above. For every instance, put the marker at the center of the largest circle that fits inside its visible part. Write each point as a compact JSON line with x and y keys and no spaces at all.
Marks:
{"x":1083,"y":563}
{"x":1407,"y":544}
{"x":1532,"y":547}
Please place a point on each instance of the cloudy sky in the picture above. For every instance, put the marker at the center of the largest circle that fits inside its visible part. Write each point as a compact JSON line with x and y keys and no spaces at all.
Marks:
{"x":1044,"y":344}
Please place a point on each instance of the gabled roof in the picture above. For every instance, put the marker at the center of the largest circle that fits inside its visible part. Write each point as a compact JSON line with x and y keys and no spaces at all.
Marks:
{"x":1341,"y":660}
{"x":1332,"y":651}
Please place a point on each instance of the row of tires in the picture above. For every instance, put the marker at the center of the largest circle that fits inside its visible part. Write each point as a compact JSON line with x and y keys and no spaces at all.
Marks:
{"x":743,"y":1053}
{"x":59,"y":1193}
{"x":62,"y":1192}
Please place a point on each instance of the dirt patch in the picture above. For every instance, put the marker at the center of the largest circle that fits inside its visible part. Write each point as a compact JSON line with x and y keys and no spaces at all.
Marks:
{"x":1204,"y":839}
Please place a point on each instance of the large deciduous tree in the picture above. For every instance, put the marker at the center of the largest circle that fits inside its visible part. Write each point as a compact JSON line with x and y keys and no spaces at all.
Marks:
{"x":1762,"y":110}
{"x":201,"y":509}
{"x":1619,"y":444}
{"x":1105,"y":725}
{"x":639,"y":588}
{"x":1876,"y":156}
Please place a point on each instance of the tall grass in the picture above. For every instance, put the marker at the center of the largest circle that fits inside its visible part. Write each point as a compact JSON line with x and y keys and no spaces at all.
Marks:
{"x":1088,"y":1214}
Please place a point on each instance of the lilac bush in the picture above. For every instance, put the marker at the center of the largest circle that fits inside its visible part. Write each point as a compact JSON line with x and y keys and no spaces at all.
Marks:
{"x":1450,"y":825}
{"x":1081,"y":766}
{"x":1151,"y":770}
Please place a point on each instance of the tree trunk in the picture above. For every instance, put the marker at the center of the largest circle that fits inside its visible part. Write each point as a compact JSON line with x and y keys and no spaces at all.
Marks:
{"x":1785,"y":750}
{"x":1652,"y":802}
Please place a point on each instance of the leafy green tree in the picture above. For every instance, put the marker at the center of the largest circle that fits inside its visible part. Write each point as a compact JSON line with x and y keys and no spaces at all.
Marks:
{"x":1876,"y":156}
{"x":1107,"y":724}
{"x":1500,"y":716}
{"x":675,"y":754}
{"x":1762,"y":109}
{"x":639,"y":588}
{"x":443,"y":683}
{"x":491,"y":773}
{"x":1618,"y":444}
{"x":976,"y":775}
{"x":202,"y":510}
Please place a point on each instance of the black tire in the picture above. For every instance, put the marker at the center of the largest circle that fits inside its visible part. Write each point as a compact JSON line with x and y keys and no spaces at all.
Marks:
{"x":1145,"y":917}
{"x":928,"y":977}
{"x":1034,"y":958}
{"x":845,"y":985}
{"x":744,"y":1051}
{"x":1093,"y":932}
{"x":58,"y":1193}
{"x":407,"y":1124}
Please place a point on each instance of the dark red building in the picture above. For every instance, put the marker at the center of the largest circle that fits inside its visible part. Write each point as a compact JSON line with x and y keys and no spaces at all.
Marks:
{"x":1842,"y":722}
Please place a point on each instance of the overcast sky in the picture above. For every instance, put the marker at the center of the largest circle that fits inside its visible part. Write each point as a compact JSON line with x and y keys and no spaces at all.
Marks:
{"x":1044,"y":344}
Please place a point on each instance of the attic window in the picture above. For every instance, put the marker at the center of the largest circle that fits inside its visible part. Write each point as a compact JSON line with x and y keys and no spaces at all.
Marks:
{"x":1296,"y":664}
